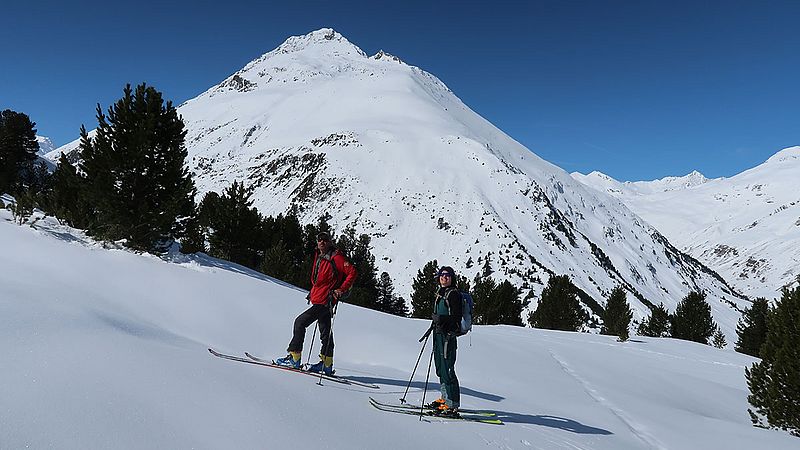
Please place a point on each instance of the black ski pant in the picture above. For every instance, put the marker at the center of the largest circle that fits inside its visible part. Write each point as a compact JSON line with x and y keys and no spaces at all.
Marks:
{"x":321,"y":314}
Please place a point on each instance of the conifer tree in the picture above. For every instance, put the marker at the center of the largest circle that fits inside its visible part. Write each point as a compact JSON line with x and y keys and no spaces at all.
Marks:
{"x":752,"y":328}
{"x":617,"y":315}
{"x":387,"y":301}
{"x":365,"y":290}
{"x":657,"y":325}
{"x":400,"y":308}
{"x":486,"y":269}
{"x":558,"y":307}
{"x":18,"y":147}
{"x":507,"y":297}
{"x":774,"y":382}
{"x":692,"y":320}
{"x":486,"y":310}
{"x":67,"y":197}
{"x":278,"y":263}
{"x":423,"y":290}
{"x":235,"y":226}
{"x":22,"y":208}
{"x":138,"y":185}
{"x":193,"y":240}
{"x":718,"y":338}
{"x":385,"y":293}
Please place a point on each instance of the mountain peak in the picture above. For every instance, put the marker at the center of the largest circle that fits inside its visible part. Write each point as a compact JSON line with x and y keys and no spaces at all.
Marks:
{"x":382,"y":55}
{"x":326,"y":39}
{"x":787,"y":154}
{"x":694,"y":178}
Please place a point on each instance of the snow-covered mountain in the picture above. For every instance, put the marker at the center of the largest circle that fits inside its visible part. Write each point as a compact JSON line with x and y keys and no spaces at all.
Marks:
{"x":746,"y":227}
{"x":105,"y":348}
{"x":45,"y":145}
{"x":387,"y":148}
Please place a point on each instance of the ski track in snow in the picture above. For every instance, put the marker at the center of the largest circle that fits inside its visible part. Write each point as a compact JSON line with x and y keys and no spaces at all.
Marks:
{"x":645,"y":437}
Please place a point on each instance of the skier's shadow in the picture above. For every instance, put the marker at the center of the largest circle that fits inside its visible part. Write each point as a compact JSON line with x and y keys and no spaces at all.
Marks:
{"x":432,"y":387}
{"x":561,"y":423}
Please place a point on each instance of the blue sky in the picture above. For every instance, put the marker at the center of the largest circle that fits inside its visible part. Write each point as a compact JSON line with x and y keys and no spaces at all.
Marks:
{"x":635,"y":89}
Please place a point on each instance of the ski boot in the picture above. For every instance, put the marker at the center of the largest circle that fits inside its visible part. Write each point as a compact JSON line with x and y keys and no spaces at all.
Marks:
{"x":289,"y":361}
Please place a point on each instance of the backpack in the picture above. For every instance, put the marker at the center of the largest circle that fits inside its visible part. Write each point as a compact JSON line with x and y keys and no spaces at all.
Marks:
{"x":329,"y":258}
{"x":467,"y":306}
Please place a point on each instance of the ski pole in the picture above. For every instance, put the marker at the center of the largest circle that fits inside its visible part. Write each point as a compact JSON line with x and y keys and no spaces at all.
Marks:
{"x":425,"y":391}
{"x":425,"y":337}
{"x":313,"y":335}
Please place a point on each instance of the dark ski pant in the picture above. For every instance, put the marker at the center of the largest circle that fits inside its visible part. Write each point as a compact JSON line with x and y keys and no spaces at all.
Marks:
{"x":320,"y":313}
{"x":444,"y":355}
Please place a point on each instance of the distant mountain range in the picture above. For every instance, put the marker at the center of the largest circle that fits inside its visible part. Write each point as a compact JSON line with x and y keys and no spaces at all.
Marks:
{"x":386,"y":148}
{"x":746,"y":227}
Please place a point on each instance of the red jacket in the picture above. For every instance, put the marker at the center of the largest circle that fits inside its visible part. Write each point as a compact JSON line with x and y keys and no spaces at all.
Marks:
{"x":325,"y":279}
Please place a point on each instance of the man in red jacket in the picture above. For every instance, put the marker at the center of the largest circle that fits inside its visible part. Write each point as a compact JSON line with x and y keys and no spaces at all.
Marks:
{"x":332,"y":276}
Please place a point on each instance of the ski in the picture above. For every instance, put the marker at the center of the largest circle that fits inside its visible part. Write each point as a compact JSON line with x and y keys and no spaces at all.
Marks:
{"x":471,"y":412}
{"x":329,"y":377}
{"x":429,"y":414}
{"x":266,"y":363}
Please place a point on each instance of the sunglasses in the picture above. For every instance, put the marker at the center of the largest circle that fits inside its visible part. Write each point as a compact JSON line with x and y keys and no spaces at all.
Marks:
{"x":446,"y":275}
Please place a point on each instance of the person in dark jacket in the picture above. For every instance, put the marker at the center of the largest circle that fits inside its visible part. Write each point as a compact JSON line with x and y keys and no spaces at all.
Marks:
{"x":446,"y":322}
{"x":332,"y":275}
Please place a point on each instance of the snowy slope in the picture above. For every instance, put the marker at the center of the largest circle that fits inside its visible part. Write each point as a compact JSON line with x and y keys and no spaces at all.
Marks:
{"x":746,"y":227}
{"x":387,"y":148}
{"x":103,"y":348}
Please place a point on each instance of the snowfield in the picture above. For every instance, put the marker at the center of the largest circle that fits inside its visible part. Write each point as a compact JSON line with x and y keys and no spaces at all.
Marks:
{"x":746,"y":227}
{"x":104,"y":348}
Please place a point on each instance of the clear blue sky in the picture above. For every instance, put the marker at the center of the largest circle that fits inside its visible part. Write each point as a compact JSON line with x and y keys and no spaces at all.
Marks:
{"x":635,"y":89}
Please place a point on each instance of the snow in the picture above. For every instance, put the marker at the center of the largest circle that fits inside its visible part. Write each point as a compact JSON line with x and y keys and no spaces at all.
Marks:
{"x":104,"y":348}
{"x":388,"y":149}
{"x":745,"y":227}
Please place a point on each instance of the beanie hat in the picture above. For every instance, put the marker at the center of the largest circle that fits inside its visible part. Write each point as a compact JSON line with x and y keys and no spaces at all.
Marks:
{"x":446,"y":270}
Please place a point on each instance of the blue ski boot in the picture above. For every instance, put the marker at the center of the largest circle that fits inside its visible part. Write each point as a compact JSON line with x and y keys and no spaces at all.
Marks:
{"x":325,"y":366}
{"x":289,"y":361}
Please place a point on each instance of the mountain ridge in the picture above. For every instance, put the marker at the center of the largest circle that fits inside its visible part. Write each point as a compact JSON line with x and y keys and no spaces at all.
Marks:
{"x":746,"y":227}
{"x":389,"y":150}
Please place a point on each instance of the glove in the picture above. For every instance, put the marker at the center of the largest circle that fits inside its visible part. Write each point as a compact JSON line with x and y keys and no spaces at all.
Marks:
{"x":436,"y":319}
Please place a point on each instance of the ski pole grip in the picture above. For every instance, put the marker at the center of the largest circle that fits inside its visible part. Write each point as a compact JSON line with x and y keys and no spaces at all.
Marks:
{"x":427,"y":333}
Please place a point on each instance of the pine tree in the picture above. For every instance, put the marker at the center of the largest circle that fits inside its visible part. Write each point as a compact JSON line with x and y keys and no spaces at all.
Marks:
{"x":486,"y":310}
{"x":399,"y":308}
{"x":617,"y":315}
{"x":138,"y":185}
{"x":657,"y":325}
{"x":487,"y":270}
{"x":718,"y":338}
{"x":18,"y":147}
{"x":506,"y":297}
{"x":23,"y":206}
{"x":692,"y":320}
{"x":385,"y":299}
{"x":67,"y":199}
{"x":558,"y":307}
{"x":752,"y":328}
{"x":235,"y":226}
{"x":278,"y":263}
{"x":774,"y":382}
{"x":423,"y":290}
{"x":365,"y":290}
